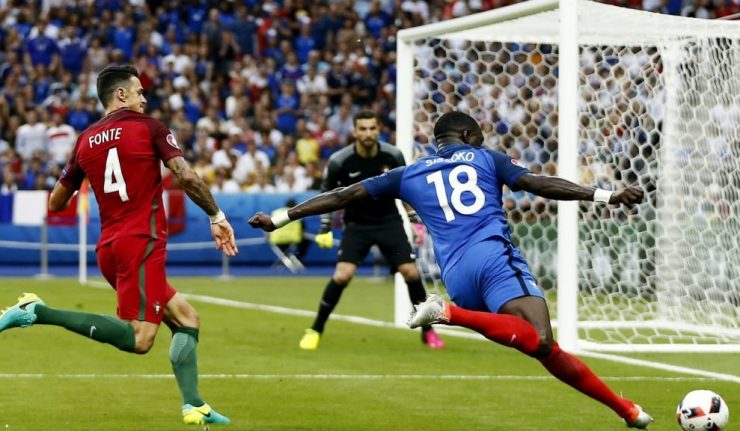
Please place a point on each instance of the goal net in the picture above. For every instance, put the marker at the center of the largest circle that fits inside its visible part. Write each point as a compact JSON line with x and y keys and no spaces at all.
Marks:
{"x":656,"y":105}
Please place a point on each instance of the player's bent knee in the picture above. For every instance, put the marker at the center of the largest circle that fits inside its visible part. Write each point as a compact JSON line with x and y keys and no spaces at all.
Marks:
{"x":409,"y":272}
{"x":190,"y":317}
{"x":145,"y":333}
{"x":143,"y":344}
{"x":343,"y":276}
{"x":545,"y":346}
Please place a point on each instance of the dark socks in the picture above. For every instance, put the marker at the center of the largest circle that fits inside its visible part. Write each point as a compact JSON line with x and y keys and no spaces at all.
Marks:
{"x":329,"y":300}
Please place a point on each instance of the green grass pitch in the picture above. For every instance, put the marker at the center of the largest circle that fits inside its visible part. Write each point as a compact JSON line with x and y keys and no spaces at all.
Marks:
{"x":361,"y":378}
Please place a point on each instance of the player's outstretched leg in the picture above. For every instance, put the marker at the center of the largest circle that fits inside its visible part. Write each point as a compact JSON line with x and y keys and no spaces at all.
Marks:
{"x":572,"y":371}
{"x":22,"y":314}
{"x":513,"y":331}
{"x":30,"y":310}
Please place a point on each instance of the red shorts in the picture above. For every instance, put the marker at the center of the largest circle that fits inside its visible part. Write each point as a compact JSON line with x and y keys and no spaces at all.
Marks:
{"x":135,"y":267}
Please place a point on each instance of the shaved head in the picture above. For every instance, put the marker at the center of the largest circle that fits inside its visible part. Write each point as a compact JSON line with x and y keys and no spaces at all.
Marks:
{"x":456,"y":126}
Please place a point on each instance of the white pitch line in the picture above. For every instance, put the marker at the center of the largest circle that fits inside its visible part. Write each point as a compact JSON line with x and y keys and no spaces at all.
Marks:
{"x":336,"y":377}
{"x":451,"y":332}
{"x":661,"y":366}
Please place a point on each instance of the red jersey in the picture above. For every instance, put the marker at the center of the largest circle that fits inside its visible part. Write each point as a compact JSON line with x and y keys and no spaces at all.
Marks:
{"x":120,"y":155}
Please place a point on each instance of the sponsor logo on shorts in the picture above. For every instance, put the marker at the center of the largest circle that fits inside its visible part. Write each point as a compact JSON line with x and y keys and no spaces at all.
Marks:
{"x":157,"y":308}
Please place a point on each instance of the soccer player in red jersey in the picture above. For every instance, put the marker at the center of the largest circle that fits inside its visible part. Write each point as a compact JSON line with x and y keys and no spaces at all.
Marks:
{"x":121,"y":156}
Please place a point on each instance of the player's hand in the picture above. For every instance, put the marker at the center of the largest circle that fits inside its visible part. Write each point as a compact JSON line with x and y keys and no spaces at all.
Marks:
{"x":628,"y":196}
{"x":420,"y":232}
{"x":262,"y":221}
{"x":223,"y":234}
{"x":325,"y":240}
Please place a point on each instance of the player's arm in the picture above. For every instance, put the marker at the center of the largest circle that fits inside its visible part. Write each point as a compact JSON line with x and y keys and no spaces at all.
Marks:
{"x":319,"y":204}
{"x":564,"y":190}
{"x":69,"y":182}
{"x":198,"y":192}
{"x":60,"y":197}
{"x":327,"y":184}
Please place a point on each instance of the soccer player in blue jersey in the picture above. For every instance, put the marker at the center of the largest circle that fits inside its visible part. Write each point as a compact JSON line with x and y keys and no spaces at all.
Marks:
{"x":457,"y":193}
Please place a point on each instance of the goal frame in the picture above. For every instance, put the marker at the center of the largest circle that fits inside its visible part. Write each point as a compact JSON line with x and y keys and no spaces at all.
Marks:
{"x":567,"y":163}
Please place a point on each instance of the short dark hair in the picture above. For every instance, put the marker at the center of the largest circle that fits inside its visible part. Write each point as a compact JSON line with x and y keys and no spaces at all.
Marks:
{"x":453,"y":124}
{"x":112,"y":77}
{"x":365,"y":114}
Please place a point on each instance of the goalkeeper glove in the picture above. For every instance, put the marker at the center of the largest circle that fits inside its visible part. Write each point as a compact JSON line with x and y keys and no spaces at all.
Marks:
{"x":417,"y":227}
{"x":325,"y":240}
{"x":420,"y":232}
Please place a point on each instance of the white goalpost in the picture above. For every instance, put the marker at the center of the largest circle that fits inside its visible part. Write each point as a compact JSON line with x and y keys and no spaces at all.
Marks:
{"x":609,"y":97}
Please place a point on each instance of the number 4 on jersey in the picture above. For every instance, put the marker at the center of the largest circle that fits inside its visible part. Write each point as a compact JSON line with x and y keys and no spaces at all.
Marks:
{"x":114,"y":181}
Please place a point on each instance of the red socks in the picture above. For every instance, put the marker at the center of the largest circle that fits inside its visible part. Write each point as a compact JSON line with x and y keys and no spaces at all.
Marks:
{"x":571,"y":370}
{"x":507,"y":330}
{"x":513,"y":331}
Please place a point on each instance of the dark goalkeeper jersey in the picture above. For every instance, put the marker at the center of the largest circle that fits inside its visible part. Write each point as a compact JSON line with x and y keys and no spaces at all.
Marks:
{"x":121,"y":155}
{"x":346,"y":167}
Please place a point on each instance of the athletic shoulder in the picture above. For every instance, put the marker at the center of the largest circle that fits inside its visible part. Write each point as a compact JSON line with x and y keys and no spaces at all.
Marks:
{"x":389,"y":149}
{"x":393,"y":152}
{"x":340,"y":156}
{"x":508,"y":169}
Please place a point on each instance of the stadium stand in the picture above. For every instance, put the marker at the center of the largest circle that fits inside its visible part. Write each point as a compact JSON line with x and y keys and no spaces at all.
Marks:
{"x":260,"y":93}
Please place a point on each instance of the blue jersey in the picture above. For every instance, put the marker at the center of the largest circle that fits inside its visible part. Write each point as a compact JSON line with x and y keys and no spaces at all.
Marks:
{"x":457,"y":193}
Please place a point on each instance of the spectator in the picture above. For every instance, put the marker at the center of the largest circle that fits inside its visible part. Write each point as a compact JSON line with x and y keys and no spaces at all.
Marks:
{"x":10,"y":184}
{"x":225,"y":157}
{"x":245,"y":28}
{"x":250,"y":162}
{"x":72,"y":51}
{"x":341,"y":121}
{"x":329,"y":144}
{"x":307,"y":147}
{"x":42,"y":49}
{"x":203,"y":167}
{"x":304,"y":43}
{"x":31,"y":137}
{"x":338,"y":81}
{"x":262,"y":185}
{"x":312,"y":83}
{"x":60,"y":138}
{"x":222,"y":182}
{"x":286,"y":108}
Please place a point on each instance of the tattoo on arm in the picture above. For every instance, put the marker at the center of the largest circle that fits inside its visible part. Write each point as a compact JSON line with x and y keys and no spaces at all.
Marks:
{"x":194,"y":186}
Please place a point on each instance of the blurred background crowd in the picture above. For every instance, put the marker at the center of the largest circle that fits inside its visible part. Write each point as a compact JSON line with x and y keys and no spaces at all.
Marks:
{"x":258,"y":93}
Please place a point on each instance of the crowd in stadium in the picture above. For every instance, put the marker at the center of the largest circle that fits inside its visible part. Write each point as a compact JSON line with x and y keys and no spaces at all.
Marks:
{"x":258,"y":93}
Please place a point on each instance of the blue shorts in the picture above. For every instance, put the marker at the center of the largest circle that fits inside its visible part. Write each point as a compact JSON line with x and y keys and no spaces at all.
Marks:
{"x":488,"y":275}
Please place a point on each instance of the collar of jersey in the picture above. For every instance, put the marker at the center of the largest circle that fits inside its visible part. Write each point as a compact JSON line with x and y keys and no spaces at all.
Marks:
{"x":449,"y":149}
